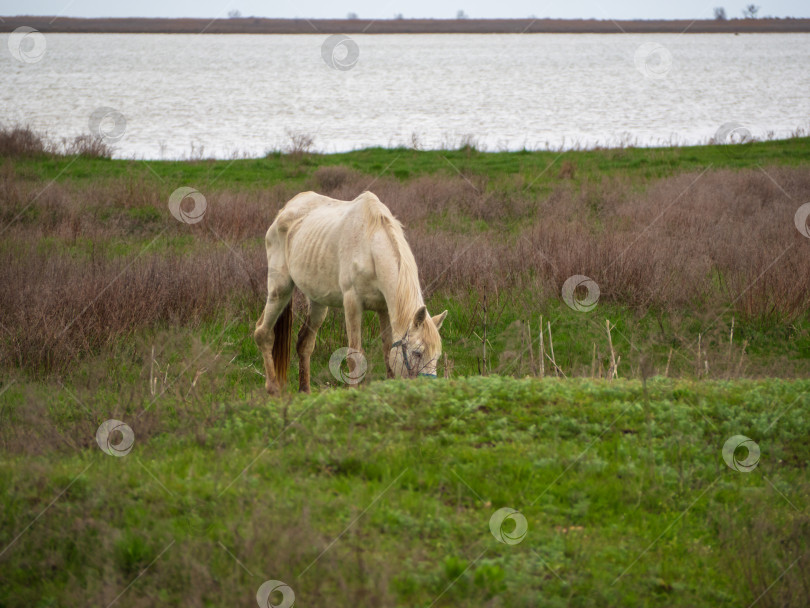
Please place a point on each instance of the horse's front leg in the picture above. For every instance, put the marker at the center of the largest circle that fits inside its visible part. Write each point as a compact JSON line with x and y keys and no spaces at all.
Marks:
{"x":387,"y":339}
{"x":354,"y":320}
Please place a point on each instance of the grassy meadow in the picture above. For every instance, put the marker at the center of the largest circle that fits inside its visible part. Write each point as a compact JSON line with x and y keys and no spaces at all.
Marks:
{"x":113,"y":309}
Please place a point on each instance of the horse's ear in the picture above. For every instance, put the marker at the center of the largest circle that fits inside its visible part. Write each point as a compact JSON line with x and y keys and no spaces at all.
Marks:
{"x":439,"y":319}
{"x":419,"y":317}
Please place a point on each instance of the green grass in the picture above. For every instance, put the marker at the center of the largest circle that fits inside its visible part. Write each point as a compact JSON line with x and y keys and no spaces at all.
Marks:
{"x":403,"y":163}
{"x":383,"y":495}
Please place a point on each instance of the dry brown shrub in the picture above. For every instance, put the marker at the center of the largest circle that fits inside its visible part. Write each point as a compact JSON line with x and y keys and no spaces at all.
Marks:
{"x":21,"y":141}
{"x":57,"y":309}
{"x":25,"y":142}
{"x":328,"y":179}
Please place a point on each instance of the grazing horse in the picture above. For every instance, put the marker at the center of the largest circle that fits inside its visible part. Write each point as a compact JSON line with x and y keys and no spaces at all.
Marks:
{"x":351,"y":255}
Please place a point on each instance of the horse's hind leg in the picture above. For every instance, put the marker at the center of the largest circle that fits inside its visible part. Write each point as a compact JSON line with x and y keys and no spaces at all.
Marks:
{"x":306,"y":342}
{"x":279,"y":293}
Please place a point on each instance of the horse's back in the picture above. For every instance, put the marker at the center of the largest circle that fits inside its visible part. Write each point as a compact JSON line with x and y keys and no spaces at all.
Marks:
{"x":364,"y":211}
{"x":300,"y":206}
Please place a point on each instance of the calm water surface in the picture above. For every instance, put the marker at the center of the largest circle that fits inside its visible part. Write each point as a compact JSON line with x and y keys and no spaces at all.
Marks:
{"x":245,"y":94}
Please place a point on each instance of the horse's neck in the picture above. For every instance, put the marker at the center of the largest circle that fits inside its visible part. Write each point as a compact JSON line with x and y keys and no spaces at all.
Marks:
{"x":400,"y":313}
{"x":402,"y":317}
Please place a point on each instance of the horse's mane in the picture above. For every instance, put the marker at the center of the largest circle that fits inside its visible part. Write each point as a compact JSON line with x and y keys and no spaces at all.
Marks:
{"x":408,"y":294}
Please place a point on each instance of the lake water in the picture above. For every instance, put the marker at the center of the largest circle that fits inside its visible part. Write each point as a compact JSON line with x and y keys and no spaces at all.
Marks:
{"x":167,"y":96}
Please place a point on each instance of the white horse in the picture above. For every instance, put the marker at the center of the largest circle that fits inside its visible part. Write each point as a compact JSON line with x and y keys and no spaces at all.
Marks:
{"x":351,"y":255}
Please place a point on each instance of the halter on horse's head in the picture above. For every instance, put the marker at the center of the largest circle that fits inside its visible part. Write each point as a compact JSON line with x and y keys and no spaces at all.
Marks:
{"x":417,"y":352}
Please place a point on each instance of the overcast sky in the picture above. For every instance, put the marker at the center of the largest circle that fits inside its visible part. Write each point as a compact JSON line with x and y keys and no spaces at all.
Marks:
{"x":381,"y":9}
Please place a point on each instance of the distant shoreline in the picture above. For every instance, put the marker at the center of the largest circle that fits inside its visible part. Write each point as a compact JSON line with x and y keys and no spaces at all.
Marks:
{"x":256,"y":25}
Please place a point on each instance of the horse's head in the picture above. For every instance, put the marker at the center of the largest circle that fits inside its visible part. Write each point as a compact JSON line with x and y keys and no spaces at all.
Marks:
{"x":417,"y":352}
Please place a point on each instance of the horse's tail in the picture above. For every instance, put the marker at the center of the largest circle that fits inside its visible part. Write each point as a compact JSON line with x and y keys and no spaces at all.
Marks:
{"x":282,"y":343}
